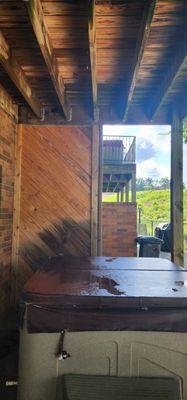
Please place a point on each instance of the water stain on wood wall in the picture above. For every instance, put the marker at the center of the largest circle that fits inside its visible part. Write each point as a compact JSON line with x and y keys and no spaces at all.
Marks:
{"x":55,"y":195}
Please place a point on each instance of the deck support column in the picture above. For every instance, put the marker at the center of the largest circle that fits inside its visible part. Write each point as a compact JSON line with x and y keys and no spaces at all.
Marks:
{"x":127,"y":192}
{"x":118,"y":197}
{"x":177,"y":236}
{"x":133,"y":187}
{"x":122,"y":195}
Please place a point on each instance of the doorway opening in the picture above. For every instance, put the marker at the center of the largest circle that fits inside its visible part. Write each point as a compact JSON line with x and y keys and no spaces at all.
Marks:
{"x":136,"y":187}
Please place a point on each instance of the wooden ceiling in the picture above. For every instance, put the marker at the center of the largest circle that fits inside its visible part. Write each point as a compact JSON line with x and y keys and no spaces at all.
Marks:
{"x":108,"y":61}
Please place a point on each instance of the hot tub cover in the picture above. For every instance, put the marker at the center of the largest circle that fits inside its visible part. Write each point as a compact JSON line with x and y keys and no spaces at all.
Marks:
{"x":98,"y":293}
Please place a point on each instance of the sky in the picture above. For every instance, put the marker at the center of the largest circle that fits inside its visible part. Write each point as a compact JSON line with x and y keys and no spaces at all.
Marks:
{"x":152,"y":148}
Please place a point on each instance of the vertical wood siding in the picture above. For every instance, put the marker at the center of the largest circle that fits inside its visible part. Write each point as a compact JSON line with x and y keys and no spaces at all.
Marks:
{"x":55,"y":195}
{"x":7,"y":152}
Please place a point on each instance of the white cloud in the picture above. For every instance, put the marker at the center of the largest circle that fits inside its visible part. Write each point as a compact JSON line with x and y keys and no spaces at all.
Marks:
{"x":153,"y":147}
{"x":151,"y":169}
{"x":145,"y":149}
{"x":156,"y":134}
{"x":155,"y":142}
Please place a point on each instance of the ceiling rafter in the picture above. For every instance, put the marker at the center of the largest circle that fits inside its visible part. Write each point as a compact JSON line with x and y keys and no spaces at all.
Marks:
{"x":37,"y":20}
{"x":141,"y":44}
{"x":18,"y":77}
{"x":93,"y":55}
{"x":179,"y":61}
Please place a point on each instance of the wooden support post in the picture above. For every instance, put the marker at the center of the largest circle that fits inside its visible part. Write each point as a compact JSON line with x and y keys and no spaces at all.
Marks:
{"x":16,"y":215}
{"x":100,"y":191}
{"x":122,"y":195}
{"x":95,"y":190}
{"x":118,"y":197}
{"x":177,"y":251}
{"x":127,"y":192}
{"x":133,"y":187}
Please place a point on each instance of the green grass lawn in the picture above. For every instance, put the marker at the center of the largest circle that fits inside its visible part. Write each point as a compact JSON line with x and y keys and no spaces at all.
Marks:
{"x":155,"y":207}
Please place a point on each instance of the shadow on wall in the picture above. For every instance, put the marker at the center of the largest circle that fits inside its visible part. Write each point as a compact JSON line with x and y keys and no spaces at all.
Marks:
{"x":63,"y":238}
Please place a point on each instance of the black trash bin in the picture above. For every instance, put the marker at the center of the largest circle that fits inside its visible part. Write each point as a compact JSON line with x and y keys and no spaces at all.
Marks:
{"x":150,"y":246}
{"x":163,"y":231}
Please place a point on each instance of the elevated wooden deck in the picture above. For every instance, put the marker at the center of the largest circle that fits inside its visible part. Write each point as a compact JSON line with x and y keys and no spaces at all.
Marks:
{"x":119,"y":165}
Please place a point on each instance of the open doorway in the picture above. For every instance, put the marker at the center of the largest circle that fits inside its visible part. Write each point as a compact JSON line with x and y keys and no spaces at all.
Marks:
{"x":136,"y":186}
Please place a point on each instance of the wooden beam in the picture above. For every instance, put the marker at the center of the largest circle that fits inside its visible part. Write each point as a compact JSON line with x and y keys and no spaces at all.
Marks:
{"x":176,"y":66}
{"x":117,"y":179}
{"x":16,"y":215}
{"x":141,"y":44}
{"x":8,"y":105}
{"x":177,"y":251}
{"x":95,"y":190}
{"x":18,"y":77}
{"x":93,"y":55}
{"x":37,"y":19}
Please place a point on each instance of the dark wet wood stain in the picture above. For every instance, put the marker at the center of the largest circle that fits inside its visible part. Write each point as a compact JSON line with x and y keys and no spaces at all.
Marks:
{"x":55,"y":195}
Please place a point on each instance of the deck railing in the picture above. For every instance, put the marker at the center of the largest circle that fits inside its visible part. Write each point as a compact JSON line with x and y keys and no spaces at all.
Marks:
{"x":119,"y":149}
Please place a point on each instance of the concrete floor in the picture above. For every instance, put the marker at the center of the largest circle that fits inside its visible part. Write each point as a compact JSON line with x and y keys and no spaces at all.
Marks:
{"x":168,"y":257}
{"x":9,"y":344}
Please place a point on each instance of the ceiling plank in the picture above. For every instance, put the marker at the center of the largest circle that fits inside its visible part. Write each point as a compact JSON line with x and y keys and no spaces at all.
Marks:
{"x":179,"y":62}
{"x":93,"y":54}
{"x":37,"y":19}
{"x":18,"y":77}
{"x":141,"y":44}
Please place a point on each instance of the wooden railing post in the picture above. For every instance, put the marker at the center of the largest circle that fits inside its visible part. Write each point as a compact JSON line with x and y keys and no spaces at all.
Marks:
{"x":177,"y":236}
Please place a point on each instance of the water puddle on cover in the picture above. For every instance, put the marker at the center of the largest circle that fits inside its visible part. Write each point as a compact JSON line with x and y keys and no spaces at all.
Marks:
{"x":109,"y":284}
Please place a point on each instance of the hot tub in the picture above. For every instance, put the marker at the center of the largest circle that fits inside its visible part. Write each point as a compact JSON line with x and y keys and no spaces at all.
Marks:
{"x":119,"y":317}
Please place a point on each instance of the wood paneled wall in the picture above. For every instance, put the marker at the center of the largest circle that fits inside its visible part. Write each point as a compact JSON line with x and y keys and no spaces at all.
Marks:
{"x":7,"y":154}
{"x":55,"y":206}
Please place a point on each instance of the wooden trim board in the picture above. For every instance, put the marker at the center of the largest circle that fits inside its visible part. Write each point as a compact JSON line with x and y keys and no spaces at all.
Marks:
{"x":16,"y":215}
{"x":95,"y":190}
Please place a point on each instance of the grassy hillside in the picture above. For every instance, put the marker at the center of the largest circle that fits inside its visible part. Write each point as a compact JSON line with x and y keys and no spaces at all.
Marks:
{"x":155,"y":205}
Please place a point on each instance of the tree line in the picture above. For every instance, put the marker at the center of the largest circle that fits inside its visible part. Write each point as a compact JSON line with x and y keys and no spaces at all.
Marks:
{"x":152,"y":184}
